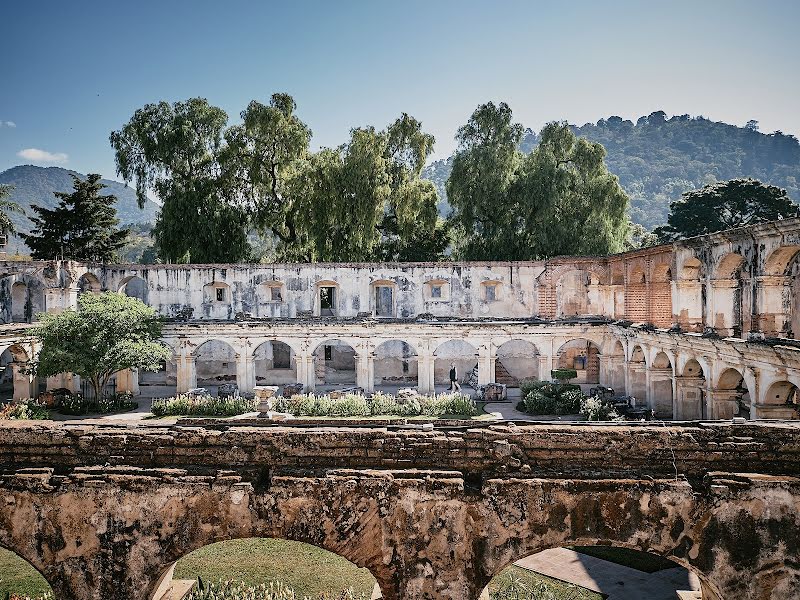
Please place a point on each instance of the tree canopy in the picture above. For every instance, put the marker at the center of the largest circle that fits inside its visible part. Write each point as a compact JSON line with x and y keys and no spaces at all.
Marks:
{"x":108,"y":333}
{"x":364,"y":200}
{"x":559,"y":199}
{"x":724,"y":205}
{"x":82,"y":226}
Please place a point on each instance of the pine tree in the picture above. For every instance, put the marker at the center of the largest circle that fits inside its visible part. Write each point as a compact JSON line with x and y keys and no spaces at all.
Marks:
{"x":83,"y":226}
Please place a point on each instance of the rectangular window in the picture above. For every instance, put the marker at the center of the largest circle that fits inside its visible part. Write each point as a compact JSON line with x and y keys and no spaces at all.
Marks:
{"x":384,"y":305}
{"x":436,"y":291}
{"x":327,"y":301}
{"x":491,"y":293}
{"x":275,"y":294}
{"x":220,"y":294}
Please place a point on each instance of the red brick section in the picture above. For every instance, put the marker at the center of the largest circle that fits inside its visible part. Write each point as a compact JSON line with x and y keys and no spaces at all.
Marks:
{"x":661,"y":303}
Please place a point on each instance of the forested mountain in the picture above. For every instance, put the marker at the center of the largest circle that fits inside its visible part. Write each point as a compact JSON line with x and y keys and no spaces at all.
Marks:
{"x":656,"y":159}
{"x":35,"y":185}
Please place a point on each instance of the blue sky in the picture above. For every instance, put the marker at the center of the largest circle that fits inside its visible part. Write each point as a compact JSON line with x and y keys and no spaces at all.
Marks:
{"x":74,"y":71}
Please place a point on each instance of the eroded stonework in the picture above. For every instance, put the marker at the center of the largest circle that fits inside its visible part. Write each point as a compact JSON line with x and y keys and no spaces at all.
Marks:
{"x":104,"y":511}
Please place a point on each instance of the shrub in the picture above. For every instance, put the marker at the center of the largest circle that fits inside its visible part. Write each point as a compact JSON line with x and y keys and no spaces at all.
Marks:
{"x":76,"y":404}
{"x":517,"y":589}
{"x":564,"y":374}
{"x":183,"y":404}
{"x":545,"y":398}
{"x":274,"y":590}
{"x":24,"y":409}
{"x":594,"y":408}
{"x":356,"y":405}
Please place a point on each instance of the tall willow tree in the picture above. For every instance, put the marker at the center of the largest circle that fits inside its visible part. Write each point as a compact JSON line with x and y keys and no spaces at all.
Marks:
{"x":559,"y":199}
{"x":175,"y":149}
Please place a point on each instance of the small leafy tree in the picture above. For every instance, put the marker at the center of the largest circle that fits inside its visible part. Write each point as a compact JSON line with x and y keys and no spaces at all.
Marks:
{"x":108,"y":333}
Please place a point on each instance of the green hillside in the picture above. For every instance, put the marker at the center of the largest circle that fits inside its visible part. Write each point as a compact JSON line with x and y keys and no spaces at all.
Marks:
{"x":35,"y":185}
{"x":656,"y":159}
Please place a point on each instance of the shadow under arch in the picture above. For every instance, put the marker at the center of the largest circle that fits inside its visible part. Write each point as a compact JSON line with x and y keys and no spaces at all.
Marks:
{"x":307,"y":568}
{"x":19,"y":576}
{"x":595,"y":572}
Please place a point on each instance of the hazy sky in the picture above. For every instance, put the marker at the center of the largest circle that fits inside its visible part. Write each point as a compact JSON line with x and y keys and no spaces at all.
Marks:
{"x":74,"y":71}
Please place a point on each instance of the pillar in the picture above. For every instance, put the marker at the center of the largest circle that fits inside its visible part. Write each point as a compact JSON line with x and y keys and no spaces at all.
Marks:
{"x":425,"y":379}
{"x":687,"y":300}
{"x":127,"y":381}
{"x":723,"y":403}
{"x":486,"y":364}
{"x":23,"y":381}
{"x":365,"y":371}
{"x":186,"y":376}
{"x":774,"y":316}
{"x":305,"y":371}
{"x":545,"y":367}
{"x":688,"y":398}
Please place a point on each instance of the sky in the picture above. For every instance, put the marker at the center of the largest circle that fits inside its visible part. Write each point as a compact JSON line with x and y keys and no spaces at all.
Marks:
{"x":72,"y":72}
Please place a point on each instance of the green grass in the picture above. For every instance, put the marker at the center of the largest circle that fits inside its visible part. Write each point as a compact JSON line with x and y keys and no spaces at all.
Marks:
{"x":308,"y":569}
{"x":558,"y":590}
{"x":641,"y":561}
{"x":16,"y":575}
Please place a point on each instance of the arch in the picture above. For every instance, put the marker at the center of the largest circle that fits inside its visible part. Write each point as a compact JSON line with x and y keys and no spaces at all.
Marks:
{"x":459,"y":352}
{"x":580,"y":354}
{"x":265,"y":559}
{"x":637,"y":276}
{"x":637,"y":355}
{"x":275,"y":363}
{"x":516,"y":361}
{"x":732,"y":387}
{"x":692,"y":368}
{"x":335,"y":363}
{"x":523,"y":578}
{"x":27,"y":299}
{"x":15,"y":381}
{"x":781,"y":401}
{"x":215,"y":364}
{"x":637,"y":374}
{"x":661,"y":361}
{"x":17,"y":571}
{"x":617,"y":349}
{"x":778,"y":261}
{"x":691,"y":270}
{"x":729,"y":265}
{"x":88,"y":282}
{"x":395,"y":364}
{"x":134,"y":286}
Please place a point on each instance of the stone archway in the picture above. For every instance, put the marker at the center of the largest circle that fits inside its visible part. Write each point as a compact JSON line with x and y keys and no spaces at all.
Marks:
{"x":731,"y":296}
{"x":637,"y":375}
{"x":335,"y":364}
{"x":27,"y":299}
{"x":517,"y":360}
{"x":690,"y":389}
{"x":732,"y":396}
{"x":215,"y":364}
{"x":396,"y":364}
{"x":454,"y":352}
{"x":780,"y":402}
{"x":89,"y":283}
{"x":18,"y":383}
{"x":18,"y":575}
{"x":134,"y":287}
{"x":580,"y":354}
{"x":661,"y":397}
{"x":275,"y":363}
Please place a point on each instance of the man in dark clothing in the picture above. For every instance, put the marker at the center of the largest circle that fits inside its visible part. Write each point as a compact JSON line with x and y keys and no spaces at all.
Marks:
{"x":454,"y":385}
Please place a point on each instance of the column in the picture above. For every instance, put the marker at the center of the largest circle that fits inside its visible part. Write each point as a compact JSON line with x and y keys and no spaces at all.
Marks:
{"x":486,"y":363}
{"x":365,"y":371}
{"x":127,"y":381}
{"x":186,"y":376}
{"x":605,"y":370}
{"x":305,"y":371}
{"x":23,"y":381}
{"x":545,"y":367}
{"x":724,"y":404}
{"x":772,"y":310}
{"x":245,"y":367}
{"x":425,"y":364}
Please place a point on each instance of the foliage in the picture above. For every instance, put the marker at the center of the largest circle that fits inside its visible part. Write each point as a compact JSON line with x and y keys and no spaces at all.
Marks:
{"x":28,"y":408}
{"x":83,"y":226}
{"x":559,"y":199}
{"x":8,"y":207}
{"x":108,"y":333}
{"x":184,"y":404}
{"x":564,"y":375}
{"x":176,"y":150}
{"x":274,"y":590}
{"x":725,"y":205}
{"x":657,"y":159}
{"x":517,"y":589}
{"x":76,"y":404}
{"x":10,"y":596}
{"x":357,"y":405}
{"x":362,"y":201}
{"x":595,"y":408}
{"x":37,"y":185}
{"x":544,"y":398}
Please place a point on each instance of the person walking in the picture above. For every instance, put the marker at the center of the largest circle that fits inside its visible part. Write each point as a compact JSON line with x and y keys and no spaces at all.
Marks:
{"x":454,"y":385}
